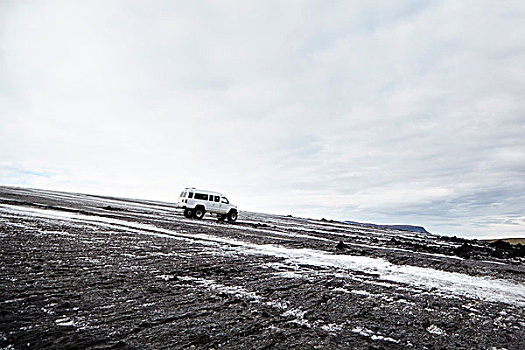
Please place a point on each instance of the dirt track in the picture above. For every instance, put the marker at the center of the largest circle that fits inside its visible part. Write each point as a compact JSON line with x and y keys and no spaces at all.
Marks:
{"x":81,"y":271}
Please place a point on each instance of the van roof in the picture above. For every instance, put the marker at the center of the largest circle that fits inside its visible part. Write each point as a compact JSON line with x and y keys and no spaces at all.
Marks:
{"x":193,"y":189}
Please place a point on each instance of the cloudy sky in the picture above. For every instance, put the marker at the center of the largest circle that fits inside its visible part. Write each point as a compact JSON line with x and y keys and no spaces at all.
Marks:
{"x":392,"y":112}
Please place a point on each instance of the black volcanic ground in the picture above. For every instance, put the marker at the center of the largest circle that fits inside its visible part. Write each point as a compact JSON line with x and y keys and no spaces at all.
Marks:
{"x":88,"y":272}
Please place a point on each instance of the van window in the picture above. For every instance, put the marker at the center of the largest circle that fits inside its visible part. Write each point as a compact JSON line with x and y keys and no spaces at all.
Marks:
{"x":217,"y":198}
{"x":182,"y":194}
{"x":201,"y":196}
{"x":225,"y":200}
{"x":190,"y":194}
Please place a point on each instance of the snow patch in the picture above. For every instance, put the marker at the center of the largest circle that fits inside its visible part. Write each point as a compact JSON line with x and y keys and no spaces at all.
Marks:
{"x":65,"y":322}
{"x":236,"y":291}
{"x":291,"y":274}
{"x":433,"y":329}
{"x":59,"y":233}
{"x":165,"y":277}
{"x":361,"y":292}
{"x":298,"y":317}
{"x":233,"y":290}
{"x":332,"y":327}
{"x":368,"y":333}
{"x":496,"y":290}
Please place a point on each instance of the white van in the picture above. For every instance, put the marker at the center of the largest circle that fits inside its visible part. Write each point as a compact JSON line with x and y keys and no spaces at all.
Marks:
{"x":196,"y":203}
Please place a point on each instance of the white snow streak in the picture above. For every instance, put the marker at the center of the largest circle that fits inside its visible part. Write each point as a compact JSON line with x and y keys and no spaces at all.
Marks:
{"x":496,"y":290}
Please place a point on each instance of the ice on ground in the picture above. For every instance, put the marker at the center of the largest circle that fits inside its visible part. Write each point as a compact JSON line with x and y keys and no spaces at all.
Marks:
{"x":65,"y":322}
{"x":234,"y":290}
{"x":165,"y":277}
{"x":495,"y":290}
{"x":368,"y":333}
{"x":332,"y":327}
{"x":292,"y":274}
{"x":361,"y":292}
{"x":13,"y":300}
{"x":298,"y":317}
{"x":162,"y":254}
{"x":433,"y":329}
{"x":380,"y":337}
{"x":60,"y":233}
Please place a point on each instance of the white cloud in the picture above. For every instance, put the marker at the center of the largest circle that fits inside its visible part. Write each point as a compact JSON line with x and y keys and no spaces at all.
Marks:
{"x":404,"y":112}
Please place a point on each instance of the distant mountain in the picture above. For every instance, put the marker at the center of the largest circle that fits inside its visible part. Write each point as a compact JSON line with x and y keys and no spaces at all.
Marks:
{"x":411,"y":228}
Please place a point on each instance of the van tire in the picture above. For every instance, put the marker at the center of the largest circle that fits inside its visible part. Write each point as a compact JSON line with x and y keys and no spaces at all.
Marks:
{"x":199,"y":213}
{"x":232,"y":216}
{"x":188,"y":213}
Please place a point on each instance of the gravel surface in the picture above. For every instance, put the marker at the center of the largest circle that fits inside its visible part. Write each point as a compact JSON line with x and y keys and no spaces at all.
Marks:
{"x":89,"y":272}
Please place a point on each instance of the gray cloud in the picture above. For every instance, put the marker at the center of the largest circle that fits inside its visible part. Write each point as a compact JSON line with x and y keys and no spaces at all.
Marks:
{"x":405,"y":112}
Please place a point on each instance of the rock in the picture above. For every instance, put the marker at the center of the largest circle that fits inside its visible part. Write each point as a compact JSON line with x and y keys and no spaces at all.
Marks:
{"x":201,"y":338}
{"x":341,"y":245}
{"x":464,"y":251}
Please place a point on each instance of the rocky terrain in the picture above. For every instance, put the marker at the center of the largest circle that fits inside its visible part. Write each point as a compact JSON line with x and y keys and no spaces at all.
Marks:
{"x":88,"y":272}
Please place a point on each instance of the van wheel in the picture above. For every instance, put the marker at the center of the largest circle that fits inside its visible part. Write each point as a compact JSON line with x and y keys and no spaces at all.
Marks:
{"x":188,"y":213}
{"x":199,"y":213}
{"x":232,"y":216}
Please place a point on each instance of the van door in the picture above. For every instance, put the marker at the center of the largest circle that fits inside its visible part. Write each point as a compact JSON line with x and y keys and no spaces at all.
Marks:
{"x":211,"y":203}
{"x":217,"y":203}
{"x":224,"y":205}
